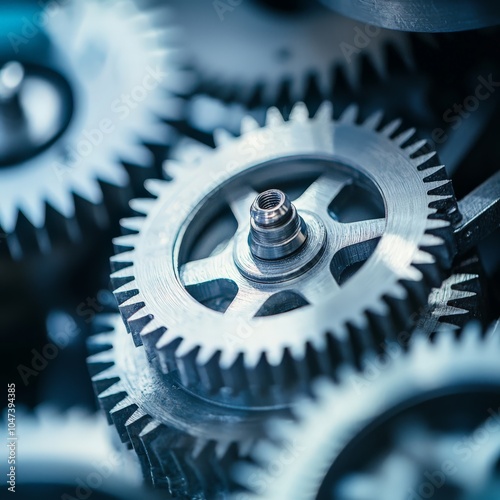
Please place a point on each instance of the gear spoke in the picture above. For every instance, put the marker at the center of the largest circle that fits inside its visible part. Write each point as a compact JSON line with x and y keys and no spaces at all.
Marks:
{"x":240,"y":202}
{"x":204,"y":270}
{"x":358,"y":232}
{"x":246,"y":304}
{"x":323,"y":285}
{"x":318,"y":196}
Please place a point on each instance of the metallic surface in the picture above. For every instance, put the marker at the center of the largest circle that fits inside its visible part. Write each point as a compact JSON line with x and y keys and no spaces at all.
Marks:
{"x":88,"y":57}
{"x":480,"y":214}
{"x":287,"y":49}
{"x":184,"y":441}
{"x":234,"y":345}
{"x":325,"y":429}
{"x":421,"y":15}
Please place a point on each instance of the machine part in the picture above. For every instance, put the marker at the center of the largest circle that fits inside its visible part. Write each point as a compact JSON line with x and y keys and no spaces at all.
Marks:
{"x":449,"y":389}
{"x":421,"y":15}
{"x":70,"y":454}
{"x":457,"y":301}
{"x":288,"y":50}
{"x":225,"y":318}
{"x":480,"y":214}
{"x":73,"y":135}
{"x":184,"y":442}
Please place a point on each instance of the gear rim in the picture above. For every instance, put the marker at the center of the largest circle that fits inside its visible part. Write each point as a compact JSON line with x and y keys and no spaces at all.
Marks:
{"x":239,"y":370}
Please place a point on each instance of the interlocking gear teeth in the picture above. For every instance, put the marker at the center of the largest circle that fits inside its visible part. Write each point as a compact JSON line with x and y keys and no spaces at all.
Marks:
{"x":323,"y":429}
{"x":68,"y":195}
{"x":457,"y":300}
{"x":243,"y":365}
{"x":290,"y":51}
{"x":156,"y":417}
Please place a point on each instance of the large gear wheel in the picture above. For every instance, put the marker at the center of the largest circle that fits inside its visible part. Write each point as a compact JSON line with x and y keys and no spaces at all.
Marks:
{"x":436,"y":406}
{"x":184,"y":442}
{"x":84,"y":100}
{"x":281,"y":303}
{"x":273,"y":51}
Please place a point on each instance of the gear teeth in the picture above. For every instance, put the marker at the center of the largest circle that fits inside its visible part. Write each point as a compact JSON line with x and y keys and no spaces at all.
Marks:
{"x":249,"y":124}
{"x":402,"y":138}
{"x":426,"y":160}
{"x":274,"y":118}
{"x":324,"y":112}
{"x":221,"y":137}
{"x":122,"y":260}
{"x":415,"y":147}
{"x":175,"y":455}
{"x":390,"y":129}
{"x":173,"y":168}
{"x":142,"y":205}
{"x":124,"y":243}
{"x":299,"y":113}
{"x":374,"y":120}
{"x":349,"y":115}
{"x":132,"y":224}
{"x":156,"y":186}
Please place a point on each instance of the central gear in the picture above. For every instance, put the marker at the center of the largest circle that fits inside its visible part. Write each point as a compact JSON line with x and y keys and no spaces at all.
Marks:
{"x":218,"y":327}
{"x":78,"y":105}
{"x":259,"y":50}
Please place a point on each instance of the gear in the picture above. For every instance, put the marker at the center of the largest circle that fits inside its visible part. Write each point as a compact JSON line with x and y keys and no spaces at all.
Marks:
{"x":184,"y":442}
{"x":421,"y":15}
{"x":457,"y":300}
{"x":449,"y":389}
{"x":222,"y":316}
{"x":261,"y":52}
{"x":63,"y":454}
{"x":71,"y":96}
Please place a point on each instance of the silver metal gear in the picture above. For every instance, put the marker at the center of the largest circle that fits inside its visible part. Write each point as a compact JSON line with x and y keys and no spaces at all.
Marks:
{"x":70,"y":453}
{"x":184,"y":442}
{"x":259,"y":50}
{"x":105,"y":73}
{"x":313,"y":463}
{"x":457,"y":301}
{"x":223,"y":317}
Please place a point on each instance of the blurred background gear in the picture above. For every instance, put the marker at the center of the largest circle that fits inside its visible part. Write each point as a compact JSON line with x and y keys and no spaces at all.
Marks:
{"x":71,"y":455}
{"x":421,"y":421}
{"x":294,"y":47}
{"x":421,"y":15}
{"x":355,"y":225}
{"x":86,"y":90}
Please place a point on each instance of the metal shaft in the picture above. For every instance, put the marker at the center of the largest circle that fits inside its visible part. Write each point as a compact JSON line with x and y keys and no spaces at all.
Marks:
{"x":276,"y":229}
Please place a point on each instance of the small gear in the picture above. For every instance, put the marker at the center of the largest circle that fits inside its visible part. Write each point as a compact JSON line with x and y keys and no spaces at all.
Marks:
{"x":265,"y":300}
{"x":184,"y":442}
{"x":436,"y":406}
{"x":74,"y":135}
{"x":258,"y":50}
{"x":65,"y":454}
{"x":457,"y":301}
